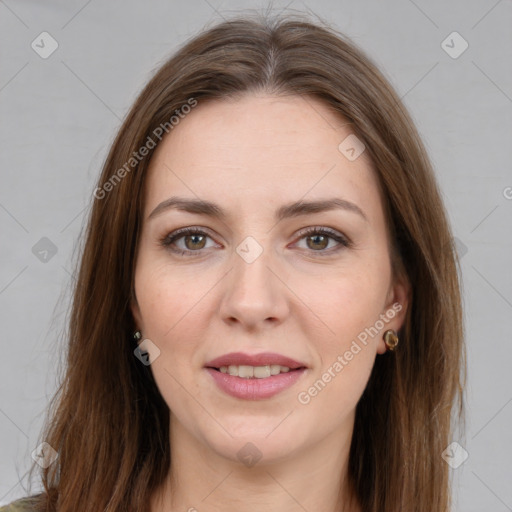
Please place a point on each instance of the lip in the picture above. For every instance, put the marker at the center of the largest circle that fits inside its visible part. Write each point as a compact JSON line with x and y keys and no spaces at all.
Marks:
{"x":265,"y":358}
{"x":254,"y":389}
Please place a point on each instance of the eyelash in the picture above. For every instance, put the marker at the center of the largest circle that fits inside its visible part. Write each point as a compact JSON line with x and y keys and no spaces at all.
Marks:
{"x":180,"y":233}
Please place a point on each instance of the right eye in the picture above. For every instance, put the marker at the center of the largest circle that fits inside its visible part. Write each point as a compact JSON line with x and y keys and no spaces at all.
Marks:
{"x":194,"y":241}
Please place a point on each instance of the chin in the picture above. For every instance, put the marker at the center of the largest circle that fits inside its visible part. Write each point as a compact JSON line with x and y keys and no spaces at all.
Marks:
{"x":263,"y":442}
{"x":250,"y":451}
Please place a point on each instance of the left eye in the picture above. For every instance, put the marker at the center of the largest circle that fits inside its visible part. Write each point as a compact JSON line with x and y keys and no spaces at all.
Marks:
{"x":317,"y":240}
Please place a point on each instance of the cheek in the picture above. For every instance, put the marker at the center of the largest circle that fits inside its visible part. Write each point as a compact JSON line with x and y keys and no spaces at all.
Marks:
{"x":347,"y":303}
{"x":350,"y":306}
{"x":347,"y":354}
{"x":171,"y":309}
{"x":169,"y":297}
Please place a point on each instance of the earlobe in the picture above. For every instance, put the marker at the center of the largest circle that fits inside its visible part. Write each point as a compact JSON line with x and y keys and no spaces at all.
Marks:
{"x":396,"y":311}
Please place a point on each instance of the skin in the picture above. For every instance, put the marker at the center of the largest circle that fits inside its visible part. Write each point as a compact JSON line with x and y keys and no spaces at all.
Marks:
{"x":250,"y":156}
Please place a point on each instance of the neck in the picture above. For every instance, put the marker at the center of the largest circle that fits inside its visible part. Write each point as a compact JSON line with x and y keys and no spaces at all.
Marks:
{"x":200,"y":479}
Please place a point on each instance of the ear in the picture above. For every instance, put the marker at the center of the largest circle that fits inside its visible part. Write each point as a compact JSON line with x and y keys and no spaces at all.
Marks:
{"x":395,"y":311}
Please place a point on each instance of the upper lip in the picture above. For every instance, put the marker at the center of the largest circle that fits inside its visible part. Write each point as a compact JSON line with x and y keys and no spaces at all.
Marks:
{"x":263,"y":359}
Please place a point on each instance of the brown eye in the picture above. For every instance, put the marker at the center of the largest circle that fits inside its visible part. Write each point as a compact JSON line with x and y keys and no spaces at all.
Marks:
{"x":187,"y":241}
{"x":194,"y":241}
{"x":317,"y":242}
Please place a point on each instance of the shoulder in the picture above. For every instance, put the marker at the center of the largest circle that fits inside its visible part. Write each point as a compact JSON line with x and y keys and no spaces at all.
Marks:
{"x":21,"y":505}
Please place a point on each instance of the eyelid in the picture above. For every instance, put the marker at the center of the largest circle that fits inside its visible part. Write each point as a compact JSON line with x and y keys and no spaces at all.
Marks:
{"x":323,"y":229}
{"x":342,"y":240}
{"x":177,"y":234}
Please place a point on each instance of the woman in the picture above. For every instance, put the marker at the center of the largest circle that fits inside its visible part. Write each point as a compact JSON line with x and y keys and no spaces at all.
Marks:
{"x":267,"y":312}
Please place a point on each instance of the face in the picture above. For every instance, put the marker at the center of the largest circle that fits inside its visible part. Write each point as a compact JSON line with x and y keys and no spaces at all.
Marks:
{"x":314,"y":285}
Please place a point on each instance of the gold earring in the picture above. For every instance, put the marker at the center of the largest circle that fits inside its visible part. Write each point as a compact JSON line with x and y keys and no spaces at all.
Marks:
{"x":390,"y":339}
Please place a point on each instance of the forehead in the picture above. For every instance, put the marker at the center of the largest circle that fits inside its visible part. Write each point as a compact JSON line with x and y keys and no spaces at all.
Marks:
{"x":257,"y":149}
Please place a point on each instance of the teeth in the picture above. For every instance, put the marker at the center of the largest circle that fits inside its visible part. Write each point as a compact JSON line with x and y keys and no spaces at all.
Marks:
{"x":275,"y":369}
{"x":256,"y":372}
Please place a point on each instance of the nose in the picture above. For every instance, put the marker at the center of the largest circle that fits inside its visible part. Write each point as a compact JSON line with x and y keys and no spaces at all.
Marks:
{"x":254,"y":294}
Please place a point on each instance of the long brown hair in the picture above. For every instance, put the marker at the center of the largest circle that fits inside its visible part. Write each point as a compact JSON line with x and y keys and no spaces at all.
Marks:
{"x":108,"y":422}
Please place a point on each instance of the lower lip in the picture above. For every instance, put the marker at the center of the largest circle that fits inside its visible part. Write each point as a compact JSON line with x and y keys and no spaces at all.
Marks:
{"x":255,"y":389}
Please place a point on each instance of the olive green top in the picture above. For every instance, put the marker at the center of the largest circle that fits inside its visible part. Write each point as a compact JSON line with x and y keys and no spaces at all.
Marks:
{"x":20,"y":505}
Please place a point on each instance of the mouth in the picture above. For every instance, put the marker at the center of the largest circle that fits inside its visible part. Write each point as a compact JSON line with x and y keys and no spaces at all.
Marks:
{"x":254,"y":377}
{"x":257,"y":366}
{"x":255,"y":372}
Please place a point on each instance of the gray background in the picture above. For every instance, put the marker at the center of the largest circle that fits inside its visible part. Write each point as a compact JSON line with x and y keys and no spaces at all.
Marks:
{"x":59,"y":115}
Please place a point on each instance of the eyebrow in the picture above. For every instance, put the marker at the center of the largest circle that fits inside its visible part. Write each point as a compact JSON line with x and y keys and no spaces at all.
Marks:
{"x":296,"y":209}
